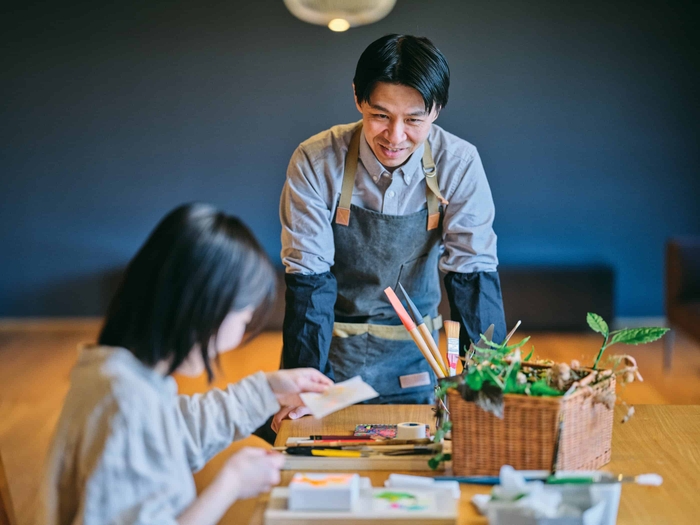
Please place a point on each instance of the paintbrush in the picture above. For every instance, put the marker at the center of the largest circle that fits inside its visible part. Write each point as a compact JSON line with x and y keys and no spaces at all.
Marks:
{"x":452,"y":331}
{"x":413,"y":330}
{"x":652,"y":480}
{"x":510,"y":334}
{"x":365,"y":443}
{"x":420,"y":323}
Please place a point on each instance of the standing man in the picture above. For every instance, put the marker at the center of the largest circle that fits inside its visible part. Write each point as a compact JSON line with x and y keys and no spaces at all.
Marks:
{"x":390,"y":198}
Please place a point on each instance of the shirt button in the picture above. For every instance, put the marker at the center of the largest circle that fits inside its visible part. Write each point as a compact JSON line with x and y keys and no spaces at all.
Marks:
{"x":392,"y":194}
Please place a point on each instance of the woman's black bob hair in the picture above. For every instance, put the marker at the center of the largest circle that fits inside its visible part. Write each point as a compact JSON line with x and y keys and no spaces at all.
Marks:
{"x":408,"y":60}
{"x":198,"y":265}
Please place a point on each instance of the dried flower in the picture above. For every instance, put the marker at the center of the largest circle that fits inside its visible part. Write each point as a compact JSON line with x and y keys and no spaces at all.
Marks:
{"x":606,"y":398}
{"x":521,"y":378}
{"x":575,"y":365}
{"x":630,"y":413}
{"x":559,"y":375}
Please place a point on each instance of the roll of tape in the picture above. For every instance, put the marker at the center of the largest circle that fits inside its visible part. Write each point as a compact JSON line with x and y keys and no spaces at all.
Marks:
{"x":410,"y":431}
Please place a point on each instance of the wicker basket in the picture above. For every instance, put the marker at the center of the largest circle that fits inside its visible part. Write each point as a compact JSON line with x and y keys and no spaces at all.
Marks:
{"x":525,"y":437}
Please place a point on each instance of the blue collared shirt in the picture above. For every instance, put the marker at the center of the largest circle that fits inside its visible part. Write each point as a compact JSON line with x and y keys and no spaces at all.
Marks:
{"x":312,"y":190}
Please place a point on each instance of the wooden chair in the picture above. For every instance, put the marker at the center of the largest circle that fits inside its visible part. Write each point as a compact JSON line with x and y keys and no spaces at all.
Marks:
{"x":7,"y":516}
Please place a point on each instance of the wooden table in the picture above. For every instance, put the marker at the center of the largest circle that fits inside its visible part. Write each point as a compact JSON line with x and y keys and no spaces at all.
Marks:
{"x":664,"y":439}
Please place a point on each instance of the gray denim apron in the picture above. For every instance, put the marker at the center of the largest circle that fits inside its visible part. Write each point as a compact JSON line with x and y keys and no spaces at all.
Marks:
{"x":372,"y":251}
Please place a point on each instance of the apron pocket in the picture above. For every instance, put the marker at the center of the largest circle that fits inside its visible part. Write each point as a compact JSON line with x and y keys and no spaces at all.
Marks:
{"x":347,"y":356}
{"x":387,"y":360}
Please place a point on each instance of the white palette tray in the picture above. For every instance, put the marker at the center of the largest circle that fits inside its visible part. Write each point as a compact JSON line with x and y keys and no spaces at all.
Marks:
{"x":376,"y":506}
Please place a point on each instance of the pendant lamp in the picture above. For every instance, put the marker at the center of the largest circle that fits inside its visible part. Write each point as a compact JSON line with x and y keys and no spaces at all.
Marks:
{"x":340,"y":15}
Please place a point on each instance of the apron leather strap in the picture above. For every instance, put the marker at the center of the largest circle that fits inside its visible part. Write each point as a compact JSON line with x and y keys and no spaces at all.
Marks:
{"x":432,"y":191}
{"x":342,"y":214}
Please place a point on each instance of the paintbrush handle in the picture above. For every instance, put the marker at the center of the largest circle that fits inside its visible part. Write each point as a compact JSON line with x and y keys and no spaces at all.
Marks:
{"x":423,"y":347}
{"x":428,"y":338}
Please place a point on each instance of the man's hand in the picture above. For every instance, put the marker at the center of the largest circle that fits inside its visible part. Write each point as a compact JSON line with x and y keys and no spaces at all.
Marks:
{"x":288,"y":384}
{"x":293,"y":412}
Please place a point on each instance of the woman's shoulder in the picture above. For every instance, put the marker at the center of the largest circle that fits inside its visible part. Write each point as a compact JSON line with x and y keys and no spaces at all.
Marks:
{"x":111,"y":381}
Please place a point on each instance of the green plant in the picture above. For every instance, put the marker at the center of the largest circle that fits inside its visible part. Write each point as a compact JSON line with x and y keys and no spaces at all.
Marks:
{"x":498,"y":369}
{"x":628,"y":336}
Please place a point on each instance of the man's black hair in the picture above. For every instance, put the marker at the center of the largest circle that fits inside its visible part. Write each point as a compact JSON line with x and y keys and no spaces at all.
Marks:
{"x":198,"y":265}
{"x":408,"y":60}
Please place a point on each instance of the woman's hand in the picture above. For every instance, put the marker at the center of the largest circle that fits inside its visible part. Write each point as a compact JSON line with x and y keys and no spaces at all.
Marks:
{"x":292,"y":412}
{"x":246,"y":474}
{"x":288,"y":384}
{"x":252,"y":471}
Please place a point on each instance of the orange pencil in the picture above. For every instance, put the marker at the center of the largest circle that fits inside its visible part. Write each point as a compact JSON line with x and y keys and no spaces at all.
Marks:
{"x":413,"y":330}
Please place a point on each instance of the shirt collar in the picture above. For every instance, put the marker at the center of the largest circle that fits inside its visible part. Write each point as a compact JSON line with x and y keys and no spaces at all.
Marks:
{"x":412,"y":167}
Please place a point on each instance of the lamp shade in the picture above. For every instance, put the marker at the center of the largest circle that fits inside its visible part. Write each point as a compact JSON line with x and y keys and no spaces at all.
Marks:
{"x":354,"y":12}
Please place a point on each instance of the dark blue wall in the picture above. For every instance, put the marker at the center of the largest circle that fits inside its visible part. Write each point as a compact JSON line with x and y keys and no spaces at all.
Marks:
{"x":586,"y":118}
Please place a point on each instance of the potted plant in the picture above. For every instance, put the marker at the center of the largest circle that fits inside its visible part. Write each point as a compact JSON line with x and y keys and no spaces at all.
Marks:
{"x":535,"y":414}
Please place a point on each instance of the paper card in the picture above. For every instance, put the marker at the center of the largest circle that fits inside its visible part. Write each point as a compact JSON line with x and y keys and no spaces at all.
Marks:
{"x":339,"y":396}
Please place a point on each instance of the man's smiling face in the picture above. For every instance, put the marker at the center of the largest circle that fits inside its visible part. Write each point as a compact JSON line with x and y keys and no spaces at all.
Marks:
{"x":395,"y":122}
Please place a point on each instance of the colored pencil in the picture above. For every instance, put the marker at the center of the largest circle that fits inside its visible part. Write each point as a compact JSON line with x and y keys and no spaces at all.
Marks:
{"x":427,"y":336}
{"x":413,"y":330}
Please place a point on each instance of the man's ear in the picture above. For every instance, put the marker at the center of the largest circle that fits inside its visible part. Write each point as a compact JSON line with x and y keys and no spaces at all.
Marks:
{"x":437,"y":113}
{"x":354,"y":95}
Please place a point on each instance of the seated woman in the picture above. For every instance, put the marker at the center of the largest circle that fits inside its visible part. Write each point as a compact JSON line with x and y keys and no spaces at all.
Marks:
{"x":126,"y":444}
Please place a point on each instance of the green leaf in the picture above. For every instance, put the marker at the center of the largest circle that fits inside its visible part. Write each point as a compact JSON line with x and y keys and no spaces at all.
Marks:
{"x":530,"y":354}
{"x":597,"y":323}
{"x":511,"y":378}
{"x":435,"y":461}
{"x":475,"y":379}
{"x":516,"y":345}
{"x":637,"y":336}
{"x":541,"y":388}
{"x":490,"y":343}
{"x":494,"y":378}
{"x":504,"y":349}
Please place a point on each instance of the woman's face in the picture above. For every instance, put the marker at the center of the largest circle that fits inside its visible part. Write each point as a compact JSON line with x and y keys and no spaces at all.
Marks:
{"x":229,"y":337}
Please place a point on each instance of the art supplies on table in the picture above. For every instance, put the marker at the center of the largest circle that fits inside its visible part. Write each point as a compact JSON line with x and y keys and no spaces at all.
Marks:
{"x":305,"y":442}
{"x":361,"y":451}
{"x":516,"y":501}
{"x":406,"y":481}
{"x":313,"y":491}
{"x":410,"y":430}
{"x":380,"y":431}
{"x":423,"y":329}
{"x":339,"y":396}
{"x":413,"y":331}
{"x":373,"y":506}
{"x":452,"y":331}
{"x":411,"y":458}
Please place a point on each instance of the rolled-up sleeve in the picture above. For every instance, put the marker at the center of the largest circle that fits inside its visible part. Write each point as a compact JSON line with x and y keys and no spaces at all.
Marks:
{"x":468,"y":236}
{"x":305,"y":213}
{"x":214,"y":420}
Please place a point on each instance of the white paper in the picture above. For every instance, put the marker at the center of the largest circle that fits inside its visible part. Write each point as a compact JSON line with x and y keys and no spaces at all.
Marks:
{"x":339,"y":396}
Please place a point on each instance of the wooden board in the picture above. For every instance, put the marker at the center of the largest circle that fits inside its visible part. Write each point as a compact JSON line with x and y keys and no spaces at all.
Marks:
{"x":365,"y":512}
